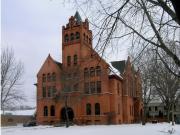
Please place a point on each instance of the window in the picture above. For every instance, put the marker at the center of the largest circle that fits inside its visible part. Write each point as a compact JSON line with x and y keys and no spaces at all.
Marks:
{"x":48,"y":77}
{"x":52,"y":110}
{"x":44,"y":91}
{"x":77,"y":35}
{"x":84,"y":37}
{"x":53,"y":77}
{"x":66,"y":38}
{"x":98,"y":85}
{"x":92,"y":72}
{"x":88,"y":109}
{"x":155,"y":108}
{"x":92,"y":87}
{"x":89,"y":40}
{"x":149,"y":108}
{"x":49,"y":91}
{"x":98,"y":71}
{"x":118,"y":108}
{"x":69,"y":60}
{"x":53,"y":91}
{"x":86,"y":72}
{"x":45,"y":111}
{"x":72,"y":36}
{"x":75,"y":59}
{"x":76,"y":87}
{"x":86,"y":88}
{"x":97,"y":109}
{"x":44,"y":78}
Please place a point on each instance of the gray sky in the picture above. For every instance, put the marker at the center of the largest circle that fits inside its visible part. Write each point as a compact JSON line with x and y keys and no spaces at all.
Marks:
{"x":33,"y":29}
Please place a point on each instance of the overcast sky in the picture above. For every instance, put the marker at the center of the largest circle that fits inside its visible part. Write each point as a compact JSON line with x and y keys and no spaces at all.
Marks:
{"x":33,"y":29}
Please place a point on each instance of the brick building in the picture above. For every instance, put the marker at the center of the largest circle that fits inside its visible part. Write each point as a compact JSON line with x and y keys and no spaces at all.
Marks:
{"x":84,"y":83}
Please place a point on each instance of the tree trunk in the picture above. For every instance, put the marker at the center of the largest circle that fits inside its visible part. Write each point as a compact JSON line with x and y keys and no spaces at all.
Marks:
{"x":66,"y":109}
{"x":144,"y":115}
{"x":172,"y":114}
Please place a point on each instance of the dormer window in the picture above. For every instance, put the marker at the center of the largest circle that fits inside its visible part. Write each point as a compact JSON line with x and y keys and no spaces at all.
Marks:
{"x":72,"y":36}
{"x":77,"y":35}
{"x":66,"y":38}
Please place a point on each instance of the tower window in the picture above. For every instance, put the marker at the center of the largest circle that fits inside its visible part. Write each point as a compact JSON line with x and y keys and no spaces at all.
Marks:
{"x":49,"y":91}
{"x":52,"y":110}
{"x":88,"y":109}
{"x":98,"y":85}
{"x":92,"y":87}
{"x":98,"y":71}
{"x":77,"y":35}
{"x":92,"y":72}
{"x":75,"y":59}
{"x":66,"y":38}
{"x":69,"y":60}
{"x":89,"y":40}
{"x":97,"y":109}
{"x":72,"y":36}
{"x":45,"y":111}
{"x":84,"y":36}
{"x":86,"y":72}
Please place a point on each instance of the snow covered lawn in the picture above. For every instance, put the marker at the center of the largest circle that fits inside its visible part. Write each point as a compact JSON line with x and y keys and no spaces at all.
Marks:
{"x":129,"y":129}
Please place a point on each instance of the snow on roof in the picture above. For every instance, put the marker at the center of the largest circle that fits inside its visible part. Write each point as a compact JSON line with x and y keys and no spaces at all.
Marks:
{"x":20,"y":112}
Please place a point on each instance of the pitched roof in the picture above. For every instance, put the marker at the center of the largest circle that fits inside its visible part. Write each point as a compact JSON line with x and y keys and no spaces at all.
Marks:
{"x":77,"y":17}
{"x":58,"y":63}
{"x":119,"y":65}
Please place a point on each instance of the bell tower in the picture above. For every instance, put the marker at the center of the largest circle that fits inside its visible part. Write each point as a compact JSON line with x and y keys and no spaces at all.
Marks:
{"x":76,"y":40}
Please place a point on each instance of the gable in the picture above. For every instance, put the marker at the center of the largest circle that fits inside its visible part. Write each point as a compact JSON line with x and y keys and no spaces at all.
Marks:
{"x":50,"y":65}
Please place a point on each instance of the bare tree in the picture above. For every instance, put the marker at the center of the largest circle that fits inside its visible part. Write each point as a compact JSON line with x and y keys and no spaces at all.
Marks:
{"x":142,"y":23}
{"x":11,"y":75}
{"x":167,"y":86}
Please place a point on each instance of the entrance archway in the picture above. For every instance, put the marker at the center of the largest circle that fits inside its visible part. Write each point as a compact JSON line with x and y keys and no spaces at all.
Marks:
{"x":69,"y":112}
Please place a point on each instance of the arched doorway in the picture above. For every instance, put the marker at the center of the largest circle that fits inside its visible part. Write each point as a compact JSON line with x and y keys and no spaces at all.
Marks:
{"x":69,"y":112}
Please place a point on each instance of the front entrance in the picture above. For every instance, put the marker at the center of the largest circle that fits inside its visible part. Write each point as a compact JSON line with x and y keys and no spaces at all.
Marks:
{"x":69,"y":112}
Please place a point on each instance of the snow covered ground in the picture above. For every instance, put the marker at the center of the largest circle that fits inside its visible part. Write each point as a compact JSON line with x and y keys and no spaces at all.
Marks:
{"x":129,"y":129}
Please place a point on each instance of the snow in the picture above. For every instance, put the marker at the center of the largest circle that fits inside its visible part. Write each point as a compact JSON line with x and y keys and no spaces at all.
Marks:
{"x":128,"y":129}
{"x":21,"y":112}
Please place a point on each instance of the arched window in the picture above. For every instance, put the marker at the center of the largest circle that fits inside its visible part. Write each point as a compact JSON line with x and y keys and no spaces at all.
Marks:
{"x":97,"y":109}
{"x":72,"y":36}
{"x":52,"y":110}
{"x":77,"y":35}
{"x":98,"y":71}
{"x":48,"y":77}
{"x":53,"y":77}
{"x":86,"y":72}
{"x":66,"y":38}
{"x":69,"y":60}
{"x":89,"y":40}
{"x":44,"y":78}
{"x":92,"y":72}
{"x":75,"y":59}
{"x":88,"y":109}
{"x":45,"y":111}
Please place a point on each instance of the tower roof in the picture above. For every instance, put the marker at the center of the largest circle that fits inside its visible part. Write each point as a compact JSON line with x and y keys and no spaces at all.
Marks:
{"x":77,"y":17}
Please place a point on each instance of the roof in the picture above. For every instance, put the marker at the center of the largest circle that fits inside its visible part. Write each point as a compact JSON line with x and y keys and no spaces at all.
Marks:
{"x":119,"y":65}
{"x":115,"y":77}
{"x":58,"y":63}
{"x":77,"y":17}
